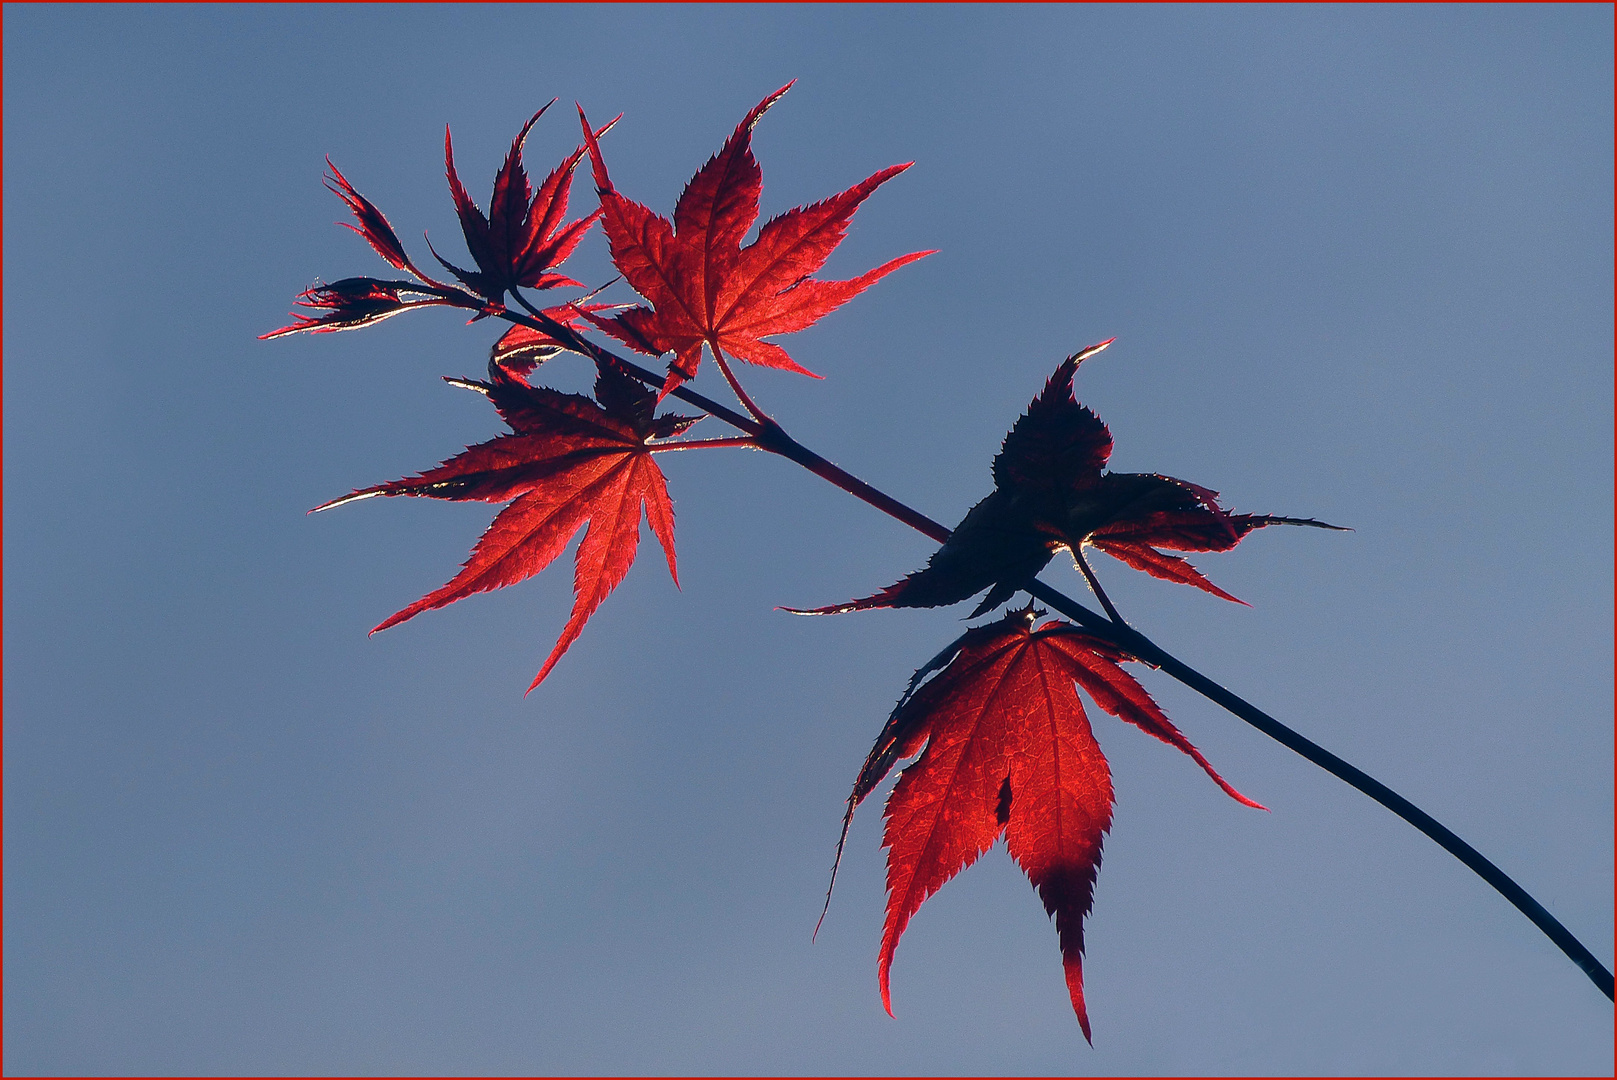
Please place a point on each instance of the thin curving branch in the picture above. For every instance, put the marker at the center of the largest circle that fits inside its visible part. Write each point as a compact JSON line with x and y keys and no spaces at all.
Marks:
{"x":1148,"y":651}
{"x":770,"y":436}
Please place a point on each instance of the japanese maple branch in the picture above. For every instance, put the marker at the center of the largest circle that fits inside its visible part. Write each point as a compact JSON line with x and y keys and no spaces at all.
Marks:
{"x":769,"y":435}
{"x":1143,"y":648}
{"x":766,"y":433}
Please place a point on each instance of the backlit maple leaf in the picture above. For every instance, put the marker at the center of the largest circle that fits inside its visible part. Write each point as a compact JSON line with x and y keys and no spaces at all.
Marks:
{"x":1006,"y":750}
{"x":522,"y":238}
{"x":570,"y":462}
{"x":703,"y":285}
{"x":1052,"y":493}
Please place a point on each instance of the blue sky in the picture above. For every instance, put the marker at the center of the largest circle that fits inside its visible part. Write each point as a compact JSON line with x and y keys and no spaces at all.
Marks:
{"x":1359,"y":263}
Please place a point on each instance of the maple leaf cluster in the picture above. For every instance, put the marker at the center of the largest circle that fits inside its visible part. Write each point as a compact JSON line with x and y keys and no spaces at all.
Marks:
{"x":999,"y":743}
{"x":1052,"y":493}
{"x":1002,"y":746}
{"x":572,"y":462}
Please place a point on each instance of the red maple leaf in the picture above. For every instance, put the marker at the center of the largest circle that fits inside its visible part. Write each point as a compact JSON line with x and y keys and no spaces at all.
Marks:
{"x":1051,"y":492}
{"x":703,"y":285}
{"x":1006,"y":750}
{"x":570,"y":461}
{"x":522,"y":238}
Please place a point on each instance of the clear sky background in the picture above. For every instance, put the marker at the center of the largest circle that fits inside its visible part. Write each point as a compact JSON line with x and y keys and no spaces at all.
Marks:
{"x":1359,"y":264}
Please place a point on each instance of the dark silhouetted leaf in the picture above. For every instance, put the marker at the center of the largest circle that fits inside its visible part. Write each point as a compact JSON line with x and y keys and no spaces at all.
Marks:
{"x":350,"y":304}
{"x":522,"y":238}
{"x":1052,"y":493}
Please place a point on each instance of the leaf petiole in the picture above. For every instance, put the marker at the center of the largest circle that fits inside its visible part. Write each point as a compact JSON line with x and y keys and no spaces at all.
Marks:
{"x":704,"y":444}
{"x":735,"y":384}
{"x":1094,"y":585}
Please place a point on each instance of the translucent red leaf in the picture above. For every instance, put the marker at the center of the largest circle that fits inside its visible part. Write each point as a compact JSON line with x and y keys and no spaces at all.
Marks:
{"x":1159,"y":565}
{"x":570,"y":462}
{"x":1005,"y":749}
{"x":702,"y":285}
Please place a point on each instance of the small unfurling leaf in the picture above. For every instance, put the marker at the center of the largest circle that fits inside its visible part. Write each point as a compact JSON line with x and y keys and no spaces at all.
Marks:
{"x":347,"y":305}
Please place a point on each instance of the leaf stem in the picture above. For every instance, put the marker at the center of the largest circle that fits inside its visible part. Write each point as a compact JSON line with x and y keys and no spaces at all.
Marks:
{"x":703,"y":444}
{"x":735,"y":384}
{"x":770,"y":436}
{"x":1094,"y":585}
